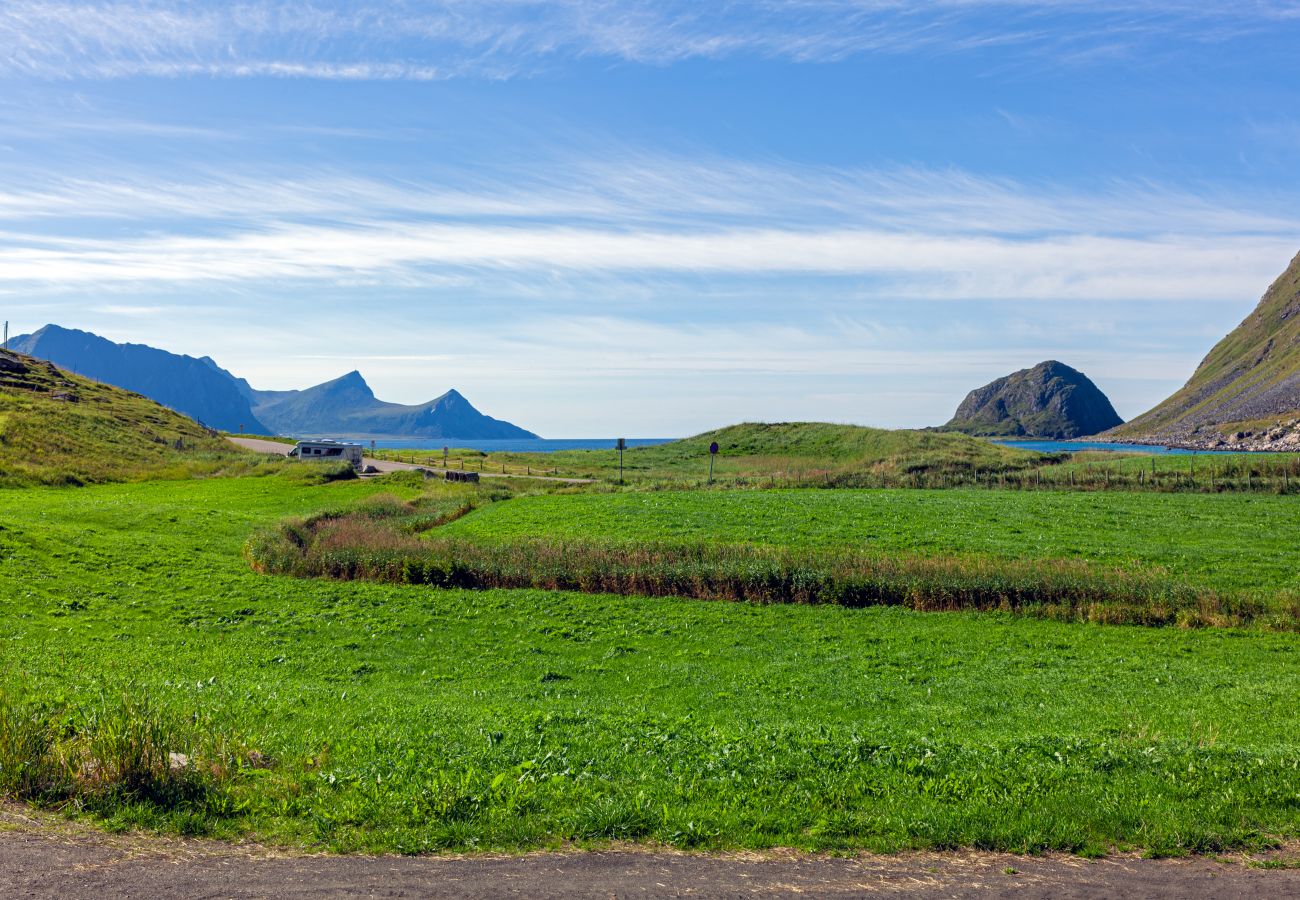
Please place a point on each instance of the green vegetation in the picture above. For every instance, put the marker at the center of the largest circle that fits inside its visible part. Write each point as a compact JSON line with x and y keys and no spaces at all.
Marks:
{"x":354,"y":715}
{"x":150,"y":677}
{"x":381,"y":541}
{"x":789,"y":454}
{"x":58,"y":428}
{"x":106,"y":753}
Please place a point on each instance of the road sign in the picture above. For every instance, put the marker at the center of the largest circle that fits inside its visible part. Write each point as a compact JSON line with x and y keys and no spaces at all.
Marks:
{"x":622,"y":445}
{"x":713,"y":451}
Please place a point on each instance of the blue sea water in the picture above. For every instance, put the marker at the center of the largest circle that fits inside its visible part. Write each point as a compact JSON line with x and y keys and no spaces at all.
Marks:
{"x":1076,"y":446}
{"x":532,"y":445}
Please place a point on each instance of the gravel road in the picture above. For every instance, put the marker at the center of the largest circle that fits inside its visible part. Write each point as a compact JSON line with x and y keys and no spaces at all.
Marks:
{"x":46,"y":856}
{"x":275,"y":447}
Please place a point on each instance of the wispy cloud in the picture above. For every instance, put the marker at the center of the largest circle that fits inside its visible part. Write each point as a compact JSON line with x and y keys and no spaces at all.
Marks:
{"x":909,"y":233}
{"x":499,"y":38}
{"x":914,"y":265}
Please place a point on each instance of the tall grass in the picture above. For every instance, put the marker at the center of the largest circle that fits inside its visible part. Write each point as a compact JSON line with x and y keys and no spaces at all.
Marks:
{"x":119,"y":750}
{"x":362,"y":545}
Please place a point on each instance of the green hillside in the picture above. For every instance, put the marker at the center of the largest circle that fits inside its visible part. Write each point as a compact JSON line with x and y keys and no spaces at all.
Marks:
{"x":1249,"y":382}
{"x":58,"y":428}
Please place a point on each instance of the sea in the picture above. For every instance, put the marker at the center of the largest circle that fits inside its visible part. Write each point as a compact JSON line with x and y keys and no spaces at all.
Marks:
{"x":532,"y":445}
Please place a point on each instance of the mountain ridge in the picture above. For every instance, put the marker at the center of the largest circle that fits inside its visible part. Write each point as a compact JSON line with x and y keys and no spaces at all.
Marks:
{"x":347,"y":405}
{"x":200,"y":388}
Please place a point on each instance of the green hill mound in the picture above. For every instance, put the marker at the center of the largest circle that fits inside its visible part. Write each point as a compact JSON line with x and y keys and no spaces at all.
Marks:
{"x":1051,"y":401}
{"x":1246,"y":392}
{"x":58,"y":428}
{"x":855,"y":444}
{"x":789,"y":453}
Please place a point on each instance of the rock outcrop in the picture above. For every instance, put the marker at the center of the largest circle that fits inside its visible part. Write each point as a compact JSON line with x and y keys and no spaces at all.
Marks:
{"x":1051,"y":401}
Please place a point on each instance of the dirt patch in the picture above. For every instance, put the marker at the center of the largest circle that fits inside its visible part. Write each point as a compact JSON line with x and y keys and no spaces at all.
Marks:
{"x":43,"y":856}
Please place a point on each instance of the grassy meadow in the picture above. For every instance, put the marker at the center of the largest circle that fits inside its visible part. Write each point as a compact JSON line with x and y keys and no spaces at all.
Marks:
{"x":1227,"y":541}
{"x":353,"y":715}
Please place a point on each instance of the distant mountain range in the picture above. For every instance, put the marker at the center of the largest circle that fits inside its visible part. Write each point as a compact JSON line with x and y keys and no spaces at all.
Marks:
{"x":208,"y":393}
{"x":1050,"y":401}
{"x":1245,"y":394}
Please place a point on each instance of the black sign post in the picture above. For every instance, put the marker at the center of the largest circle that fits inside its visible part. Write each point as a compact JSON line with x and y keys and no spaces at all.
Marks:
{"x":622,"y":445}
{"x":713,"y":451}
{"x":445,"y":451}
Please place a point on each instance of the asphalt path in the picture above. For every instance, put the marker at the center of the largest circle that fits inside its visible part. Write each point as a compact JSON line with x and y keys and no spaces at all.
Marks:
{"x":43,"y":855}
{"x":383,"y":465}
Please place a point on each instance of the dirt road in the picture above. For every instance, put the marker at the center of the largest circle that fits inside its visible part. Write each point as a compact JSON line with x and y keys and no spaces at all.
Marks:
{"x":261,"y":446}
{"x":46,"y":856}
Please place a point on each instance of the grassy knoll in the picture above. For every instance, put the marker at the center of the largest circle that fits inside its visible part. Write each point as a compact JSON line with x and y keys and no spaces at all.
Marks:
{"x":821,"y":455}
{"x":788,"y":453}
{"x":59,"y":428}
{"x":1224,"y":541}
{"x":353,"y":715}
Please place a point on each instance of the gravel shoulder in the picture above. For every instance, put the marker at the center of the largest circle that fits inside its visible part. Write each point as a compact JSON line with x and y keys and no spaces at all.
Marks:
{"x":43,"y":855}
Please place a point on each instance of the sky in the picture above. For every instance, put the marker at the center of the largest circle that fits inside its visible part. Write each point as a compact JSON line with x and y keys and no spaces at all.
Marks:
{"x":649,"y":218}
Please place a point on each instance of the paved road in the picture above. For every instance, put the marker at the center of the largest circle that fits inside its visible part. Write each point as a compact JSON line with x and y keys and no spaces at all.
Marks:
{"x":44,"y":856}
{"x":387,"y":466}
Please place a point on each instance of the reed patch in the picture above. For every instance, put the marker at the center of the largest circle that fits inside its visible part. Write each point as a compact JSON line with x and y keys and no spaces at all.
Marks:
{"x":375,"y":544}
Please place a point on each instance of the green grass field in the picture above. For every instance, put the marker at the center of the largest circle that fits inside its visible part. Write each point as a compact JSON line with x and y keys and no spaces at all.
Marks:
{"x":1227,"y":541}
{"x":409,"y":718}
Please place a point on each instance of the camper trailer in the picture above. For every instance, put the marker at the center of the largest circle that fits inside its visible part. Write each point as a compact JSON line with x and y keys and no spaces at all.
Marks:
{"x":327,"y":450}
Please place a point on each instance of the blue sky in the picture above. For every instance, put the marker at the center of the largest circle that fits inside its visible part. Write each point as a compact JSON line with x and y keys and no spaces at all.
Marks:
{"x":650,"y":218}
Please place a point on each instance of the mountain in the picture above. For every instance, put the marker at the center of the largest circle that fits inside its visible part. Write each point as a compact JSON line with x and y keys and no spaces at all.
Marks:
{"x":58,"y":428}
{"x":1050,"y":401}
{"x":208,"y":393}
{"x":347,"y":406}
{"x":1246,"y":392}
{"x":199,"y":388}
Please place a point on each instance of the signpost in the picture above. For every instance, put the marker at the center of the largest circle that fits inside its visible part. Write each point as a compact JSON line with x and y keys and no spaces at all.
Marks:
{"x":622,"y":445}
{"x":445,"y":451}
{"x":713,"y":451}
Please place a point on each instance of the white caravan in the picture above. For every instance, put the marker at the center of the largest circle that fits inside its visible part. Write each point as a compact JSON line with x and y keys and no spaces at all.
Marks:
{"x":327,"y":450}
